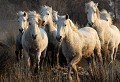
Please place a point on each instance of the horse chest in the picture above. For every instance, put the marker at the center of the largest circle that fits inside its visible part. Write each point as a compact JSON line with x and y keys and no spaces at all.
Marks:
{"x":68,"y":51}
{"x":33,"y":46}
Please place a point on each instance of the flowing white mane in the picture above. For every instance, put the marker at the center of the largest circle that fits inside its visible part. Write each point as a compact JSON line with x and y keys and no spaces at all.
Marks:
{"x":74,"y":27}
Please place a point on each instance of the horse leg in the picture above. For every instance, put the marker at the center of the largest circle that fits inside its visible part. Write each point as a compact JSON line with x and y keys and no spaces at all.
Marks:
{"x":115,"y":52}
{"x":17,"y":54}
{"x":27,"y":61}
{"x":111,"y":54}
{"x":21,"y":54}
{"x":73,"y":63}
{"x":99,"y":56}
{"x":38,"y":54}
{"x":105,"y":52}
{"x":43,"y":59}
{"x":57,"y":48}
{"x":69,"y":71}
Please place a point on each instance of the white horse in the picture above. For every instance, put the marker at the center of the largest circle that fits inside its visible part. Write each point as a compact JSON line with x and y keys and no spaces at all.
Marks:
{"x":76,"y":43}
{"x":101,"y":26}
{"x":34,"y":40}
{"x":115,"y":40}
{"x":22,"y":23}
{"x":55,"y":15}
{"x":47,"y":21}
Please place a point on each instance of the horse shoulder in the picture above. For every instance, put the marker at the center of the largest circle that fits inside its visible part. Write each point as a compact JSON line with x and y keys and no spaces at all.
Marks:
{"x":106,"y":29}
{"x":44,"y":37}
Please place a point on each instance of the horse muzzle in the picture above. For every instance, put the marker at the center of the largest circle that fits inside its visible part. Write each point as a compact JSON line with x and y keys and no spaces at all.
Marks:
{"x":21,"y":30}
{"x":43,"y":23}
{"x":34,"y":36}
{"x":59,"y":38}
{"x":90,"y":24}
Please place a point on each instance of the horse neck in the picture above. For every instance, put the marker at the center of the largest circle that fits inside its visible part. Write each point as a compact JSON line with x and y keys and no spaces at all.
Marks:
{"x":69,"y":36}
{"x":51,"y":26}
{"x":97,"y":23}
{"x":26,"y":26}
{"x":39,"y":35}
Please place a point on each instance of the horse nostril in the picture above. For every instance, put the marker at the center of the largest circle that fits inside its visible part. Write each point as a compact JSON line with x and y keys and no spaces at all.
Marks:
{"x":92,"y":23}
{"x":43,"y":22}
{"x":20,"y":30}
{"x":34,"y":36}
{"x":60,"y":37}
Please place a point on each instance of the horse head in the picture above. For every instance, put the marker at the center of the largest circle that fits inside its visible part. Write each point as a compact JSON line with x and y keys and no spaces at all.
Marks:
{"x":22,"y":20}
{"x":46,"y":14}
{"x":92,"y":12}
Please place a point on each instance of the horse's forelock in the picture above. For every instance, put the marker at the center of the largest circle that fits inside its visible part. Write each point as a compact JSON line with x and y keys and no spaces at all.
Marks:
{"x":35,"y":15}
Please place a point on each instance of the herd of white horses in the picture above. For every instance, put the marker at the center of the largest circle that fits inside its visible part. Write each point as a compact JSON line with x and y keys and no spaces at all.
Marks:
{"x":38,"y":31}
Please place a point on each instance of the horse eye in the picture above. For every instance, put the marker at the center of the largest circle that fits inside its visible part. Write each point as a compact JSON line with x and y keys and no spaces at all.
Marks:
{"x":65,"y":24}
{"x":48,"y":14}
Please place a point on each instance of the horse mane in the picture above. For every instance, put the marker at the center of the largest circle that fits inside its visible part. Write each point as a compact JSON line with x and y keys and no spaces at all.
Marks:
{"x":33,"y":14}
{"x":73,"y":26}
{"x":98,"y":13}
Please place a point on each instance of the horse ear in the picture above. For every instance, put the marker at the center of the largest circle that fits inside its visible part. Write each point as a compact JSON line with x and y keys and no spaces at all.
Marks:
{"x":96,"y":4}
{"x":67,"y":16}
{"x":24,"y":14}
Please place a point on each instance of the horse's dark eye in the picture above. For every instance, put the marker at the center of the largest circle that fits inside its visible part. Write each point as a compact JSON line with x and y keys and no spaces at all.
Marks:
{"x":65,"y":24}
{"x":48,"y":14}
{"x":29,"y":24}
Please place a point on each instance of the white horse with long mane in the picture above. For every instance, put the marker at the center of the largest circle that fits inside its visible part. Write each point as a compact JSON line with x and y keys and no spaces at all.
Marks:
{"x":101,"y":26}
{"x":76,"y":43}
{"x":34,"y":40}
{"x":115,"y":40}
{"x":23,"y":24}
{"x":47,"y":21}
{"x":55,"y":16}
